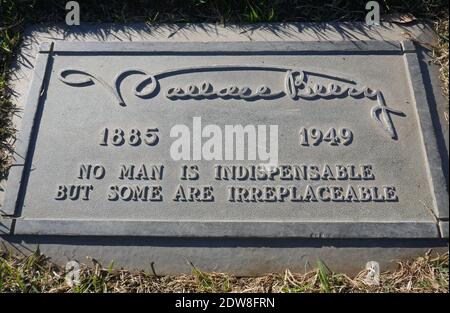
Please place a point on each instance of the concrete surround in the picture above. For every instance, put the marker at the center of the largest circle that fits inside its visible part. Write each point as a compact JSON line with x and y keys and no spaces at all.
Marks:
{"x":163,"y":236}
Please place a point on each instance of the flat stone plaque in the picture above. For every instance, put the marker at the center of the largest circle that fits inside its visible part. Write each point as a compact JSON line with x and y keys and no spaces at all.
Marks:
{"x":307,"y":139}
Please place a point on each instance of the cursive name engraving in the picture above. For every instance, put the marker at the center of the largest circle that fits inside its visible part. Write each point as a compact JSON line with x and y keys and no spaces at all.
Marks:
{"x":297,"y":85}
{"x":206,"y":90}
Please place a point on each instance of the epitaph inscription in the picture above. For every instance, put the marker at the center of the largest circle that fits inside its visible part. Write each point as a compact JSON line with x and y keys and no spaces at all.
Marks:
{"x":214,"y":142}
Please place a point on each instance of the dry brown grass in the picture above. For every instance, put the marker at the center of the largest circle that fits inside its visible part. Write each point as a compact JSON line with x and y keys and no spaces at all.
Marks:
{"x":36,"y":273}
{"x":441,"y":52}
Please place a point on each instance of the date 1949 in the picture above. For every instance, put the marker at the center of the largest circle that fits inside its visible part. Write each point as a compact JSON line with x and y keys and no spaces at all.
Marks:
{"x":313,"y":136}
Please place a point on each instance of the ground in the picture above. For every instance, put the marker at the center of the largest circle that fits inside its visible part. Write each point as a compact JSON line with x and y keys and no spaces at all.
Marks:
{"x":36,"y":273}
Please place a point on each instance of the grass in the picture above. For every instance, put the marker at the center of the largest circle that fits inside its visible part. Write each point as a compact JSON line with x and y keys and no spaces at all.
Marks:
{"x":440,"y":51}
{"x":36,"y":273}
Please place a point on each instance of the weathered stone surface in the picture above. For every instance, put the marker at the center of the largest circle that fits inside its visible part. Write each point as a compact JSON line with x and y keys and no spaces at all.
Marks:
{"x":5,"y":226}
{"x":444,"y":229}
{"x":357,"y":157}
{"x":242,"y":256}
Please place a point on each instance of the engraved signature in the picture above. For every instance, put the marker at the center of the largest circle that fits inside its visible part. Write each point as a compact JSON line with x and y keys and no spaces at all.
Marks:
{"x":297,"y":85}
{"x":206,"y":90}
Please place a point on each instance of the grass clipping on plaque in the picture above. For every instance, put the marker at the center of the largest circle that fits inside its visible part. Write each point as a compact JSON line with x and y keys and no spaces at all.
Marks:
{"x":36,"y":273}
